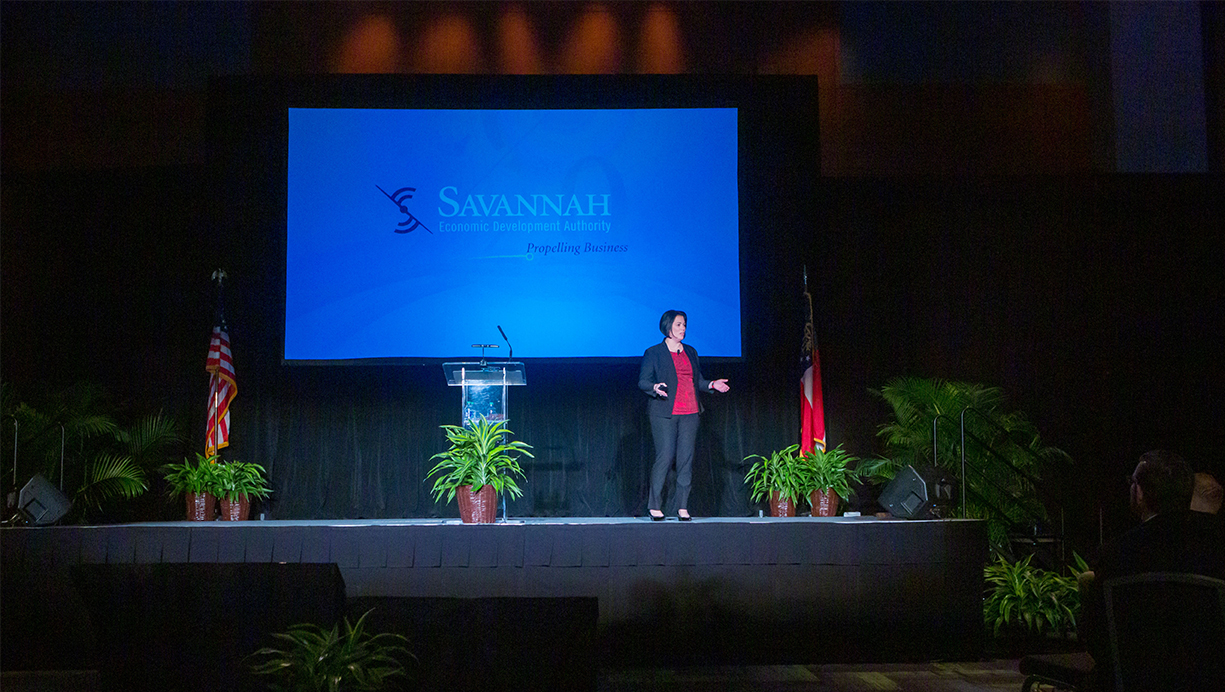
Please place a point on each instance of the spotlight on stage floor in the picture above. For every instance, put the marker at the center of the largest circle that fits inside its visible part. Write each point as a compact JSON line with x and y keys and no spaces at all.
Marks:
{"x":41,"y":503}
{"x":925,"y":493}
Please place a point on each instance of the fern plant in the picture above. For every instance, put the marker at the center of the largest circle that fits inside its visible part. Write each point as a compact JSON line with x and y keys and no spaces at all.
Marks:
{"x":104,"y":463}
{"x":1004,"y":452}
{"x":313,"y":659}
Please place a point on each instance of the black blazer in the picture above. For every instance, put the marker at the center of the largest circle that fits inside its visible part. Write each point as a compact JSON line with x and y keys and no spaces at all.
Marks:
{"x":656,"y":367}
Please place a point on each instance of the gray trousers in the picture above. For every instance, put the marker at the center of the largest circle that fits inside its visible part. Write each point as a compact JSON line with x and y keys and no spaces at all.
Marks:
{"x":674,"y":438}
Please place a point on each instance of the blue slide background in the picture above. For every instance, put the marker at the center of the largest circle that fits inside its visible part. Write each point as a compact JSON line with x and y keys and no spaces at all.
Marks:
{"x":357,"y":289}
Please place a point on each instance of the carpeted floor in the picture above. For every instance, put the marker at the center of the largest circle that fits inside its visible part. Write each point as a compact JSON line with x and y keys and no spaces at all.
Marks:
{"x":984,"y":676}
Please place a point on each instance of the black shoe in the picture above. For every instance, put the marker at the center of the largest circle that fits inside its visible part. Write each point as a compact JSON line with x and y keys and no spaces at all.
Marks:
{"x":656,"y":518}
{"x":683,"y":517}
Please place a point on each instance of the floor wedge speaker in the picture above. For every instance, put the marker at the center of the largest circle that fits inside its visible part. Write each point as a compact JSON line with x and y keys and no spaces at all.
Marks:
{"x":41,"y":503}
{"x":925,"y":493}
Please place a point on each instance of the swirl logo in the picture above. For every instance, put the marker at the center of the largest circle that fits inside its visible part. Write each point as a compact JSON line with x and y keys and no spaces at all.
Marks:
{"x":400,"y":199}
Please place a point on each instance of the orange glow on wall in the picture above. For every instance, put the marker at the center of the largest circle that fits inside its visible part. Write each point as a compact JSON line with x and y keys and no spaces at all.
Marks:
{"x":810,"y":52}
{"x":661,"y":47}
{"x":518,"y":51}
{"x":817,"y":51}
{"x":593,"y":45}
{"x":448,"y":45}
{"x":371,"y":46}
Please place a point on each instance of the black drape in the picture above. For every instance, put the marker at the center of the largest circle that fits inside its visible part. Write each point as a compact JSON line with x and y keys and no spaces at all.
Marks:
{"x":1093,"y":301}
{"x":356,"y":442}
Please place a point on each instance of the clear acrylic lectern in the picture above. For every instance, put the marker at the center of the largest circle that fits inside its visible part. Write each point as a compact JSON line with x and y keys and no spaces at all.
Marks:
{"x":484,"y":387}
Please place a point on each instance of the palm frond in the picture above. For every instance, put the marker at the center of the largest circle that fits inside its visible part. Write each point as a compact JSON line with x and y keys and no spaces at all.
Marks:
{"x":110,"y":476}
{"x":90,"y":425}
{"x":149,"y":440}
{"x":1005,"y":455}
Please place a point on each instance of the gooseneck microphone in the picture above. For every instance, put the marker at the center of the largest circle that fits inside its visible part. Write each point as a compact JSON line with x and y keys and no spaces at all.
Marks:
{"x":512,"y":348}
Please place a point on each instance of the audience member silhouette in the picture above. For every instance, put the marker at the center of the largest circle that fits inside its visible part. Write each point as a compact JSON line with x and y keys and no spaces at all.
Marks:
{"x":1207,"y":494}
{"x":1170,"y":538}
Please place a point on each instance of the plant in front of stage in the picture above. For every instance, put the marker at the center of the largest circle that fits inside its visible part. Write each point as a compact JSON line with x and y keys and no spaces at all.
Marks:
{"x":314,"y":659}
{"x":780,"y":477}
{"x":827,"y":476}
{"x":480,"y":464}
{"x":1025,"y":603}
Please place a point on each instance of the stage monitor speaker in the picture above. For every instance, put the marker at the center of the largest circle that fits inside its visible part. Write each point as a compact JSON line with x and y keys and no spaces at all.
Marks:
{"x":925,"y":493}
{"x":41,"y":503}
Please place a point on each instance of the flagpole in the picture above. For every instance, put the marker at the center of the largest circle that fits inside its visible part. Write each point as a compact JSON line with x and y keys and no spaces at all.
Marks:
{"x":215,"y":379}
{"x":213,"y":433}
{"x":811,"y":328}
{"x":812,"y":407}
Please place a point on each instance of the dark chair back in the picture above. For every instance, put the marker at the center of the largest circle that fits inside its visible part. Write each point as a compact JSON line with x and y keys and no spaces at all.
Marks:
{"x":1167,"y":631}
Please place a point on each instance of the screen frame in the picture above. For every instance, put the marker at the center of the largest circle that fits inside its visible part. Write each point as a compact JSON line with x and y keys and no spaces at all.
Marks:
{"x":249,"y":124}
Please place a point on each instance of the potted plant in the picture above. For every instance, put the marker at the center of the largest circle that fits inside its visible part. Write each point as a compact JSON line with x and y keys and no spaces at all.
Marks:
{"x":827,"y":478}
{"x":196,"y":481}
{"x":235,"y":484}
{"x":1029,"y":609}
{"x":778,"y":477}
{"x":318,"y":659}
{"x":480,"y":465}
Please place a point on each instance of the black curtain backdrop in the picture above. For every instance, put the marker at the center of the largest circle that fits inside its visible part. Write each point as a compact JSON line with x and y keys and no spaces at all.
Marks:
{"x":355,"y":442}
{"x":1093,"y":300}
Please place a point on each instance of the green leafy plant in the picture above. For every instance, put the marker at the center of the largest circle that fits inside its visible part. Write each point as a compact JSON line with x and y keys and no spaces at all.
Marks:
{"x":479,"y":456}
{"x":826,"y":470}
{"x":317,"y":660}
{"x":109,"y":476}
{"x":1003,"y":449}
{"x":877,"y":470}
{"x":72,"y":437}
{"x":781,"y":472}
{"x":189,"y":477}
{"x":236,"y":478}
{"x":1028,"y":600}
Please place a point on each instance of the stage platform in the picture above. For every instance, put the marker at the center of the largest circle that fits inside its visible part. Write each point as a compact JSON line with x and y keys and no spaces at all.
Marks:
{"x":733,"y":590}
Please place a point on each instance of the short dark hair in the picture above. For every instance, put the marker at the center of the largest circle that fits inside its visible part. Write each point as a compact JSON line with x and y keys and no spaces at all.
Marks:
{"x":665,"y":322}
{"x":1166,"y":481}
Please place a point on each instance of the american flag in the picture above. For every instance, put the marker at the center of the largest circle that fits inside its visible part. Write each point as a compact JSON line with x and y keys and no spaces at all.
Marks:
{"x":812,"y":404}
{"x":221,"y":391}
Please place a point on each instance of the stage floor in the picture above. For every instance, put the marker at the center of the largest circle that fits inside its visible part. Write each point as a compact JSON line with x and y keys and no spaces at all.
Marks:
{"x":513,"y":521}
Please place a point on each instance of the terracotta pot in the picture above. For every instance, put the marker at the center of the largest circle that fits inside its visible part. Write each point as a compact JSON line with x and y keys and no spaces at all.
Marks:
{"x":201,"y":506}
{"x":781,"y":506}
{"x":824,"y":504}
{"x":237,"y":509}
{"x":477,"y":508}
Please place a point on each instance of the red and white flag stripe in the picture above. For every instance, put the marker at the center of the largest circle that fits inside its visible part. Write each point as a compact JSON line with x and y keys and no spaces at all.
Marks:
{"x":222,"y":389}
{"x":812,"y":402}
{"x":812,"y":406}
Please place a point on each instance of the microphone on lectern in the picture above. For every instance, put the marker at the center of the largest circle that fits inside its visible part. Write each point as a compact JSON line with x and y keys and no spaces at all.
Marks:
{"x":512,"y":348}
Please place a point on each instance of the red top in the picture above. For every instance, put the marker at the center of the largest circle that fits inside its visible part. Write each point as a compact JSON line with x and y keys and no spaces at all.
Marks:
{"x":686,"y":400}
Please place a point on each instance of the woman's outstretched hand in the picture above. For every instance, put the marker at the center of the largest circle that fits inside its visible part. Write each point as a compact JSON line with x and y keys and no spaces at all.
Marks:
{"x":720,"y":385}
